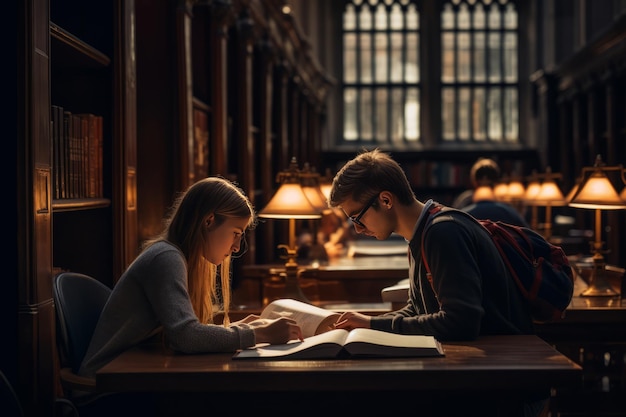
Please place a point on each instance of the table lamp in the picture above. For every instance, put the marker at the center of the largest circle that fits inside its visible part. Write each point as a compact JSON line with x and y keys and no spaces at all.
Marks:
{"x":483,"y":192}
{"x":549,"y":195}
{"x":291,"y":203}
{"x":596,"y":192}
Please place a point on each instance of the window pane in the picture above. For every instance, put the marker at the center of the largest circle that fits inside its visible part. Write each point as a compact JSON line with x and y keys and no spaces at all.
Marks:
{"x":448,"y":108}
{"x":479,"y":123}
{"x":512,"y":116}
{"x":349,"y":18}
{"x":479,"y":17}
{"x":411,"y":69}
{"x":366,"y":57}
{"x":381,"y":119}
{"x":464,"y":114}
{"x":494,"y":107}
{"x":381,"y":57}
{"x":396,"y":17}
{"x":447,"y":55}
{"x":495,"y":58}
{"x":349,"y":58}
{"x":495,"y":17}
{"x":447,"y":17}
{"x":412,"y":18}
{"x":365,"y":117}
{"x":365,"y":18}
{"x":479,"y":57}
{"x":463,"y":17}
{"x":381,"y":17}
{"x":412,"y":114}
{"x":510,"y":17}
{"x":350,"y":130}
{"x":464,"y":61}
{"x":397,"y":57}
{"x":510,"y":57}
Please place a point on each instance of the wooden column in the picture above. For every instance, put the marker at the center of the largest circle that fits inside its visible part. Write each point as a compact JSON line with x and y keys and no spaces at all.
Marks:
{"x":184,"y":77}
{"x":219,"y":127}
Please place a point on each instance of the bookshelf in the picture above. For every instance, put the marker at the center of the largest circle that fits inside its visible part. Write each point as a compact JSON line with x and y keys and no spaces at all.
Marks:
{"x":74,"y":58}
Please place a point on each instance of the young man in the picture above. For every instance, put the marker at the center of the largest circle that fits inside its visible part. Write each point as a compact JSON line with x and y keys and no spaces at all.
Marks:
{"x":469,"y":291}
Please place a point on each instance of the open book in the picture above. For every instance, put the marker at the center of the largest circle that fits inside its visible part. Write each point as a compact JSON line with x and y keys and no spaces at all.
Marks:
{"x":339,"y":343}
{"x":322,"y":340}
{"x":311,"y":319}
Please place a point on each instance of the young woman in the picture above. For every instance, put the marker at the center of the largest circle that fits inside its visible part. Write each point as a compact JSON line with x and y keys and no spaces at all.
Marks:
{"x":173,"y":284}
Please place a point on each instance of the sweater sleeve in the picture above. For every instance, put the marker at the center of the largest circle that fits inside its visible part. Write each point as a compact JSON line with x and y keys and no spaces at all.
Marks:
{"x":165,"y":286}
{"x":455,"y":309}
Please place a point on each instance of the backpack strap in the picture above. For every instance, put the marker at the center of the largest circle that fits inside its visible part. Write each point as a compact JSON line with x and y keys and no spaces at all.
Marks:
{"x":432,"y":212}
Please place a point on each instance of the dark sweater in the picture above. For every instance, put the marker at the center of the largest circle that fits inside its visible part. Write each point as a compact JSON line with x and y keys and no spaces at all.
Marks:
{"x":472,"y":292}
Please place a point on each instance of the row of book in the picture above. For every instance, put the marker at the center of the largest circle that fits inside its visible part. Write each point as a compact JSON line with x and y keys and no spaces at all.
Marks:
{"x":76,"y":154}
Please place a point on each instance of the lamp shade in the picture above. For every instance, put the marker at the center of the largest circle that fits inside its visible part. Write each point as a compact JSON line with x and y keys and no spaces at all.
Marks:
{"x":531,"y":192}
{"x":597,"y":192}
{"x":549,"y":194}
{"x":482,"y":193}
{"x":290,"y":202}
{"x":515,"y":190}
{"x":501,"y":191}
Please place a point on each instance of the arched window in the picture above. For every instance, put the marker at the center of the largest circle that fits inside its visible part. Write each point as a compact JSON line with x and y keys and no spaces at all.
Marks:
{"x":422,"y":76}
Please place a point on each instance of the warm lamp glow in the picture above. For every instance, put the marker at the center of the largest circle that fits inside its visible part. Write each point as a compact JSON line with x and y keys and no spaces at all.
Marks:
{"x":515,"y":190}
{"x":532,"y":191}
{"x":501,"y":191}
{"x":483,"y":193}
{"x":290,"y":202}
{"x":596,"y":192}
{"x":549,"y":194}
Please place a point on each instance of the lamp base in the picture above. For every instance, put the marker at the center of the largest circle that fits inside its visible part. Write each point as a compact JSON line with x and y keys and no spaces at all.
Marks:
{"x":598,"y":285}
{"x":292,"y":286}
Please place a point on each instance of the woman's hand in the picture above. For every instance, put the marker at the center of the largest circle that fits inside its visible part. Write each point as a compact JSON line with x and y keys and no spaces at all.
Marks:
{"x":250,"y":318}
{"x":352,"y":320}
{"x":276,"y":331}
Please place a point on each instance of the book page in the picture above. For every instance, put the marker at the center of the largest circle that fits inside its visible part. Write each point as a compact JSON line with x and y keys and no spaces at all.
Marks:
{"x":313,"y":320}
{"x":370,"y":342}
{"x":322,"y":346}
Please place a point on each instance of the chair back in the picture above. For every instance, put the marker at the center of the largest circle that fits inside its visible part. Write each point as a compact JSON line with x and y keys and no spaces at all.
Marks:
{"x":10,"y":405}
{"x":79,"y":300}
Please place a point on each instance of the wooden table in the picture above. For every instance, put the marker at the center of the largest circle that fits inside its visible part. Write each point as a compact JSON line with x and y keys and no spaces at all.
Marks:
{"x":496,"y":369}
{"x":593,"y":334}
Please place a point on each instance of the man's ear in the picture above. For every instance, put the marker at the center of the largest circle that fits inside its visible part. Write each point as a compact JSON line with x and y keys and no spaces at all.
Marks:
{"x":386,"y":199}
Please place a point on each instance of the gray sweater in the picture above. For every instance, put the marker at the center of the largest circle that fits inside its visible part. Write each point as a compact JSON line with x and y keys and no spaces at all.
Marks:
{"x":152,"y":293}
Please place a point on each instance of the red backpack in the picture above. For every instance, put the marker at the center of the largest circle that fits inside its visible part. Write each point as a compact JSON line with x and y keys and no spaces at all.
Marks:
{"x":540,"y":269}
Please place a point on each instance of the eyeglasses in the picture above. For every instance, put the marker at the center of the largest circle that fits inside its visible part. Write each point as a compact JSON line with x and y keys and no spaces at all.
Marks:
{"x":357,"y":219}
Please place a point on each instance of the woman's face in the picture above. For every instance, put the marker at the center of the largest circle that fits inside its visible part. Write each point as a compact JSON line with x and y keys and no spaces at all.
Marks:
{"x":225,"y":239}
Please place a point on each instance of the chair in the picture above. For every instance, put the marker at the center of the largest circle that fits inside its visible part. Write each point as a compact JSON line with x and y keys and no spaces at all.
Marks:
{"x":79,"y":300}
{"x":10,"y":405}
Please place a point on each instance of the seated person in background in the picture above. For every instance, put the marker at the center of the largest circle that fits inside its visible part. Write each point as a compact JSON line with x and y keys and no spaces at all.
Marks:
{"x":172,"y":286}
{"x":483,"y":204}
{"x":469,"y":292}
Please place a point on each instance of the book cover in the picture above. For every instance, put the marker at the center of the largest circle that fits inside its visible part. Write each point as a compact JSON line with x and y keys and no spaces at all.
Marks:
{"x":357,"y":343}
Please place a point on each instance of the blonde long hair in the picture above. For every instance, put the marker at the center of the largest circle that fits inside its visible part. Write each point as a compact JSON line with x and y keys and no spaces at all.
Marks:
{"x":183,"y":228}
